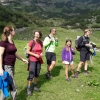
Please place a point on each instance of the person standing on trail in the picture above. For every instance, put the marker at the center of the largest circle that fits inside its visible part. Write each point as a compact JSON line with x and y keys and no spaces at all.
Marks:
{"x":84,"y":44}
{"x":50,"y":42}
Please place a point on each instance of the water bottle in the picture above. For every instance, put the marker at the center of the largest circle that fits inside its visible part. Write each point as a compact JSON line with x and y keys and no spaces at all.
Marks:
{"x":56,"y":42}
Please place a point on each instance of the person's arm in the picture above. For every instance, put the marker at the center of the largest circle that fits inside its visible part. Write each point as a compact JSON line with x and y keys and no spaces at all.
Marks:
{"x":72,"y":50}
{"x":31,"y":53}
{"x":47,"y":41}
{"x":2,"y":49}
{"x":20,"y":58}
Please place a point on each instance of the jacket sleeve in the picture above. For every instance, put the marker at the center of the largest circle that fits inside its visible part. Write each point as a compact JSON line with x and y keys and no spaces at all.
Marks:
{"x":46,"y":42}
{"x":63,"y":54}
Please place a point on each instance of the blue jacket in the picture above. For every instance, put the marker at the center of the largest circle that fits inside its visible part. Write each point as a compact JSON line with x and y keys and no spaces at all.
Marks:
{"x":4,"y":83}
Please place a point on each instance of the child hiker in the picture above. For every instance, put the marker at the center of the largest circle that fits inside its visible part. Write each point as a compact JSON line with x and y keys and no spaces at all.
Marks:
{"x":67,"y":58}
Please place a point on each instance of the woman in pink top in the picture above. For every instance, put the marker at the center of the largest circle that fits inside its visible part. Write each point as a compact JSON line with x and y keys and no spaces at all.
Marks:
{"x":35,"y":60}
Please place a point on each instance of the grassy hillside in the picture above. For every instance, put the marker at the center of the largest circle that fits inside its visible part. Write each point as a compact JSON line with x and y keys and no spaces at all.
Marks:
{"x":58,"y":88}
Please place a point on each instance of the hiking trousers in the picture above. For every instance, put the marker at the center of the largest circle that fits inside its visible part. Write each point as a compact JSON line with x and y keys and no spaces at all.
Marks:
{"x":13,"y":90}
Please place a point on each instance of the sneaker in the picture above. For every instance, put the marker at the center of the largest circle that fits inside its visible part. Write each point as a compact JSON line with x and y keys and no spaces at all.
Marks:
{"x":36,"y":89}
{"x":29,"y":93}
{"x":48,"y":76}
{"x":68,"y":79}
{"x":86,"y":73}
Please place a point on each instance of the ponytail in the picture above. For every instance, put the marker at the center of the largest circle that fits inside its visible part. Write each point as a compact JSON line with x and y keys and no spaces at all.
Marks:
{"x":6,"y":32}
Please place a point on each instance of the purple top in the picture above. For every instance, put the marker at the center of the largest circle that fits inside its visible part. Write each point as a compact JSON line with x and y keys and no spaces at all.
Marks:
{"x":9,"y":56}
{"x":67,"y":55}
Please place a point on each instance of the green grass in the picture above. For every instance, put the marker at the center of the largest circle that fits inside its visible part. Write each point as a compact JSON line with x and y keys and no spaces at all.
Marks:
{"x":58,"y":88}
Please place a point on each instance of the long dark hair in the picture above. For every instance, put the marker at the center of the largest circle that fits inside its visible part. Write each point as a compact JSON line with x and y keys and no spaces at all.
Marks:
{"x":6,"y":32}
{"x":68,"y":41}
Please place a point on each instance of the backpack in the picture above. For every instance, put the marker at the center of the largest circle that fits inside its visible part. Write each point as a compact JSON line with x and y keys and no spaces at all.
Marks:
{"x":33,"y":44}
{"x":76,"y":42}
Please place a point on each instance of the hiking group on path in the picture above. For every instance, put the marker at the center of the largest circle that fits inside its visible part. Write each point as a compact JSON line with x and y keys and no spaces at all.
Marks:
{"x":8,"y":55}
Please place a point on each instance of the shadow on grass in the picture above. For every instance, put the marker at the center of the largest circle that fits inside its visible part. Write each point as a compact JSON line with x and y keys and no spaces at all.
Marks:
{"x":55,"y":72}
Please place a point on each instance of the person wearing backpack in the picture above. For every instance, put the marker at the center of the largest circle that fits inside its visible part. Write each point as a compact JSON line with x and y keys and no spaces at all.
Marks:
{"x":35,"y":61}
{"x":84,"y":45}
{"x":50,"y":42}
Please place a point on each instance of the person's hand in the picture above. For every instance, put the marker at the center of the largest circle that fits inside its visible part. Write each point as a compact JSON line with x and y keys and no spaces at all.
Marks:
{"x":37,"y":56}
{"x":88,"y":45}
{"x":25,"y":61}
{"x":41,"y":54}
{"x":56,"y":39}
{"x":1,"y":72}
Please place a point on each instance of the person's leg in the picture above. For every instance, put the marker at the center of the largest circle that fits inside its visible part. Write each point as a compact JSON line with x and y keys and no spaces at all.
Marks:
{"x":86,"y":63}
{"x":78,"y":69}
{"x":86,"y":67}
{"x":82,"y":60}
{"x":72,"y":69}
{"x":37,"y":72}
{"x":30,"y":77}
{"x":13,"y":88}
{"x":66,"y":70}
{"x":52,"y":66}
{"x":2,"y":97}
{"x":51,"y":61}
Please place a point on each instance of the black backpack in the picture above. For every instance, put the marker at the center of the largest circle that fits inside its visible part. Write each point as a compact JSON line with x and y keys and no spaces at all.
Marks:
{"x":76,"y":42}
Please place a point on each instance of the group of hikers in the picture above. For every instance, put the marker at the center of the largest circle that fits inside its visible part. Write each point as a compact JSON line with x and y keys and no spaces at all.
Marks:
{"x":8,"y":55}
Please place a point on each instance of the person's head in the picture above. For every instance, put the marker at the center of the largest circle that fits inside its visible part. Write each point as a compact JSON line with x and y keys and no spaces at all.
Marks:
{"x":87,"y":32}
{"x":53,"y":31}
{"x":68,"y":43}
{"x":7,"y":31}
{"x":37,"y":34}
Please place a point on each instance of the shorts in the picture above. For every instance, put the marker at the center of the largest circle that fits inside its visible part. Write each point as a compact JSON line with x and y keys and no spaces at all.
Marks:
{"x":50,"y":57}
{"x":84,"y":56}
{"x":34,"y":70}
{"x":68,"y":62}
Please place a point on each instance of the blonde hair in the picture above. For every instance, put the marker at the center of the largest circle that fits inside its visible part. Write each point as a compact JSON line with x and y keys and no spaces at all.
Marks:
{"x":86,"y":30}
{"x":6,"y":32}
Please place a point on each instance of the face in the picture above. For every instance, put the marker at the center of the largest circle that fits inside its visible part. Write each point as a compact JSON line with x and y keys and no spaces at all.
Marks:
{"x":68,"y":44}
{"x":88,"y":33}
{"x":54,"y":31}
{"x":13,"y":32}
{"x":37,"y":35}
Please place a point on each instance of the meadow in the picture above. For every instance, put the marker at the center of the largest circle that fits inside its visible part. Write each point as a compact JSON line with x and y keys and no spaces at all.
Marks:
{"x":58,"y":88}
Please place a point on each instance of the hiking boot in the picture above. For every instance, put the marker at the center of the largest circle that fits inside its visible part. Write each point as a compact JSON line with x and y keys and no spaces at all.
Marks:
{"x":68,"y":79}
{"x":36,"y":89}
{"x":86,"y":73}
{"x":73,"y":76}
{"x":29,"y":93}
{"x":76,"y":75}
{"x":48,"y":76}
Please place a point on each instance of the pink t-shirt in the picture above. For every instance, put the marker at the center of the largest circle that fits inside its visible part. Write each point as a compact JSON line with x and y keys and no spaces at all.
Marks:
{"x":37,"y":49}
